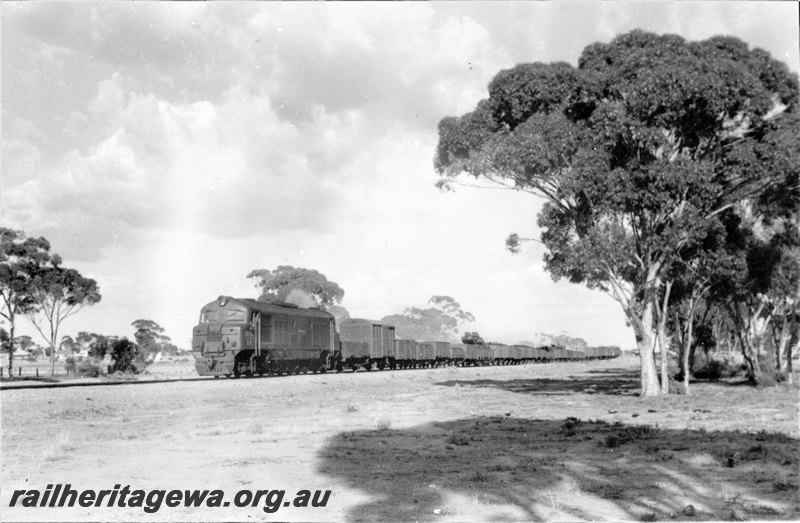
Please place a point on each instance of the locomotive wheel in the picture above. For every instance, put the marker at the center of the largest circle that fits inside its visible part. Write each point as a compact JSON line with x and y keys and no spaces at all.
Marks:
{"x":353,"y":367}
{"x":368,"y":366}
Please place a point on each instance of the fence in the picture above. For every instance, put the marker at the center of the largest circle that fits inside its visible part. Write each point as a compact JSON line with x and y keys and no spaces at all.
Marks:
{"x":31,"y":369}
{"x":23,"y":368}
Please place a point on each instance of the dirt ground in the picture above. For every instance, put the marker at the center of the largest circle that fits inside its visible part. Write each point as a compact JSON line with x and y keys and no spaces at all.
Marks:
{"x":557,"y":442}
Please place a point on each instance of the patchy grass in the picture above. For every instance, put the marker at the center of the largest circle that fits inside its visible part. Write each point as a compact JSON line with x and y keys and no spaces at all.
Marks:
{"x":574,"y":466}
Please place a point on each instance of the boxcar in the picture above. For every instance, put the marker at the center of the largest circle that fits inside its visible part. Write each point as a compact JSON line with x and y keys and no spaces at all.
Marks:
{"x":237,"y":336}
{"x":379,"y":340}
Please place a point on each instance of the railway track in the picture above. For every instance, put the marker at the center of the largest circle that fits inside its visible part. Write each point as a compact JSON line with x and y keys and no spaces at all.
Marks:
{"x":23,"y":384}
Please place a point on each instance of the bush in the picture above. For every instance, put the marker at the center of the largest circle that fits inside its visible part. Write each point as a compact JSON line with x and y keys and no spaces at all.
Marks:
{"x":127,"y":357}
{"x":713,"y":371}
{"x":70,"y":364}
{"x":769,"y":375}
{"x":88,"y":368}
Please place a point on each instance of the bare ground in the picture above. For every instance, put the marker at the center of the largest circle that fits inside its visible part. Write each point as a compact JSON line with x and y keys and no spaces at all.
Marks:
{"x":559,"y":442}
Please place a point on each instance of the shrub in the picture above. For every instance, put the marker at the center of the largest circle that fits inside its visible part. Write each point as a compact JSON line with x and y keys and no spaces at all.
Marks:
{"x":769,"y":375}
{"x":88,"y":368}
{"x":126,"y":357}
{"x":70,"y":364}
{"x":712,"y":371}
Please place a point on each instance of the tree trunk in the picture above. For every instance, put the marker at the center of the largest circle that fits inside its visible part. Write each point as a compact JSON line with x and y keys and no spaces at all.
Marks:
{"x":640,"y":313}
{"x":687,"y":352}
{"x":649,"y":373}
{"x":780,"y":339}
{"x":663,"y":344}
{"x":643,"y":328}
{"x":11,"y":346}
{"x":791,"y":345}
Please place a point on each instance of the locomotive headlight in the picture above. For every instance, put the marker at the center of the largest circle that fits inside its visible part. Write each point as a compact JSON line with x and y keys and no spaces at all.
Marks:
{"x":222,"y":300}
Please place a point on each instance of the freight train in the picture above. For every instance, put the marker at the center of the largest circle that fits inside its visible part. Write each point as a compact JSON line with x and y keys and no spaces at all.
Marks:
{"x":244,"y":337}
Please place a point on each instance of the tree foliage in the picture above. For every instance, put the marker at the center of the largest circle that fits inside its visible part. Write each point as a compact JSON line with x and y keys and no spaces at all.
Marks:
{"x":339,"y":313}
{"x":438,"y":323}
{"x":150,"y":339}
{"x":59,"y":293}
{"x":277,"y":286}
{"x":96,"y":345}
{"x":642,"y":150}
{"x":126,"y":356}
{"x":22,"y":260}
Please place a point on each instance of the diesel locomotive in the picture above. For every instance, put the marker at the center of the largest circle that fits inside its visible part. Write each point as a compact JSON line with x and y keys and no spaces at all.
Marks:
{"x":237,"y":337}
{"x":244,"y":337}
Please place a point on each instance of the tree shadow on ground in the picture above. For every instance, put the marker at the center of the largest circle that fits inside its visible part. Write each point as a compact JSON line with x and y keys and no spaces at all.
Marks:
{"x":503,"y":468}
{"x":621,"y":382}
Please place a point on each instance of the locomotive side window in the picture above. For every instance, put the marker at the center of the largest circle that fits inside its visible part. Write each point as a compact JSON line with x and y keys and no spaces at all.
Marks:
{"x":281,"y":332}
{"x":266,"y":329}
{"x":318,"y":332}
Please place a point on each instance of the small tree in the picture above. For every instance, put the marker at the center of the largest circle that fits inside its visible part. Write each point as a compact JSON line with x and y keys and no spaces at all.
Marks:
{"x":126,"y":356}
{"x":69,"y":345}
{"x":60,"y":293}
{"x":21,"y":262}
{"x":277,"y":285}
{"x":150,"y":338}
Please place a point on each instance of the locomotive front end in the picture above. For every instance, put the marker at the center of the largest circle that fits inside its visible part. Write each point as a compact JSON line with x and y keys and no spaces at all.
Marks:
{"x":218,"y":337}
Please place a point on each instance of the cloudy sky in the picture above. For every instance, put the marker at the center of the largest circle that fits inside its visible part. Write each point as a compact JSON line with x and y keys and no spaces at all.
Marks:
{"x":168,"y":149}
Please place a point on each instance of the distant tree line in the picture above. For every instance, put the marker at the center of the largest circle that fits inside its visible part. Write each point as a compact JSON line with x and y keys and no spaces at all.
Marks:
{"x":34,"y":284}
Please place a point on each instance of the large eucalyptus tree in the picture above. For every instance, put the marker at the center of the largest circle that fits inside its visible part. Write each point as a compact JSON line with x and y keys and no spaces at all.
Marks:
{"x":638,"y":151}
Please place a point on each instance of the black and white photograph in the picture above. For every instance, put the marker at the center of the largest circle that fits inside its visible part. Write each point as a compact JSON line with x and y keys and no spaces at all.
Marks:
{"x":399,"y":261}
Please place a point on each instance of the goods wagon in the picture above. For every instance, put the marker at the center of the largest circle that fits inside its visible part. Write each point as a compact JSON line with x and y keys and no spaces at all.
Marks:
{"x":501,"y":353}
{"x":458,"y":354}
{"x":441,"y":351}
{"x":237,"y":336}
{"x":426,"y":354}
{"x":524,"y":353}
{"x":367,"y":344}
{"x":405,"y":353}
